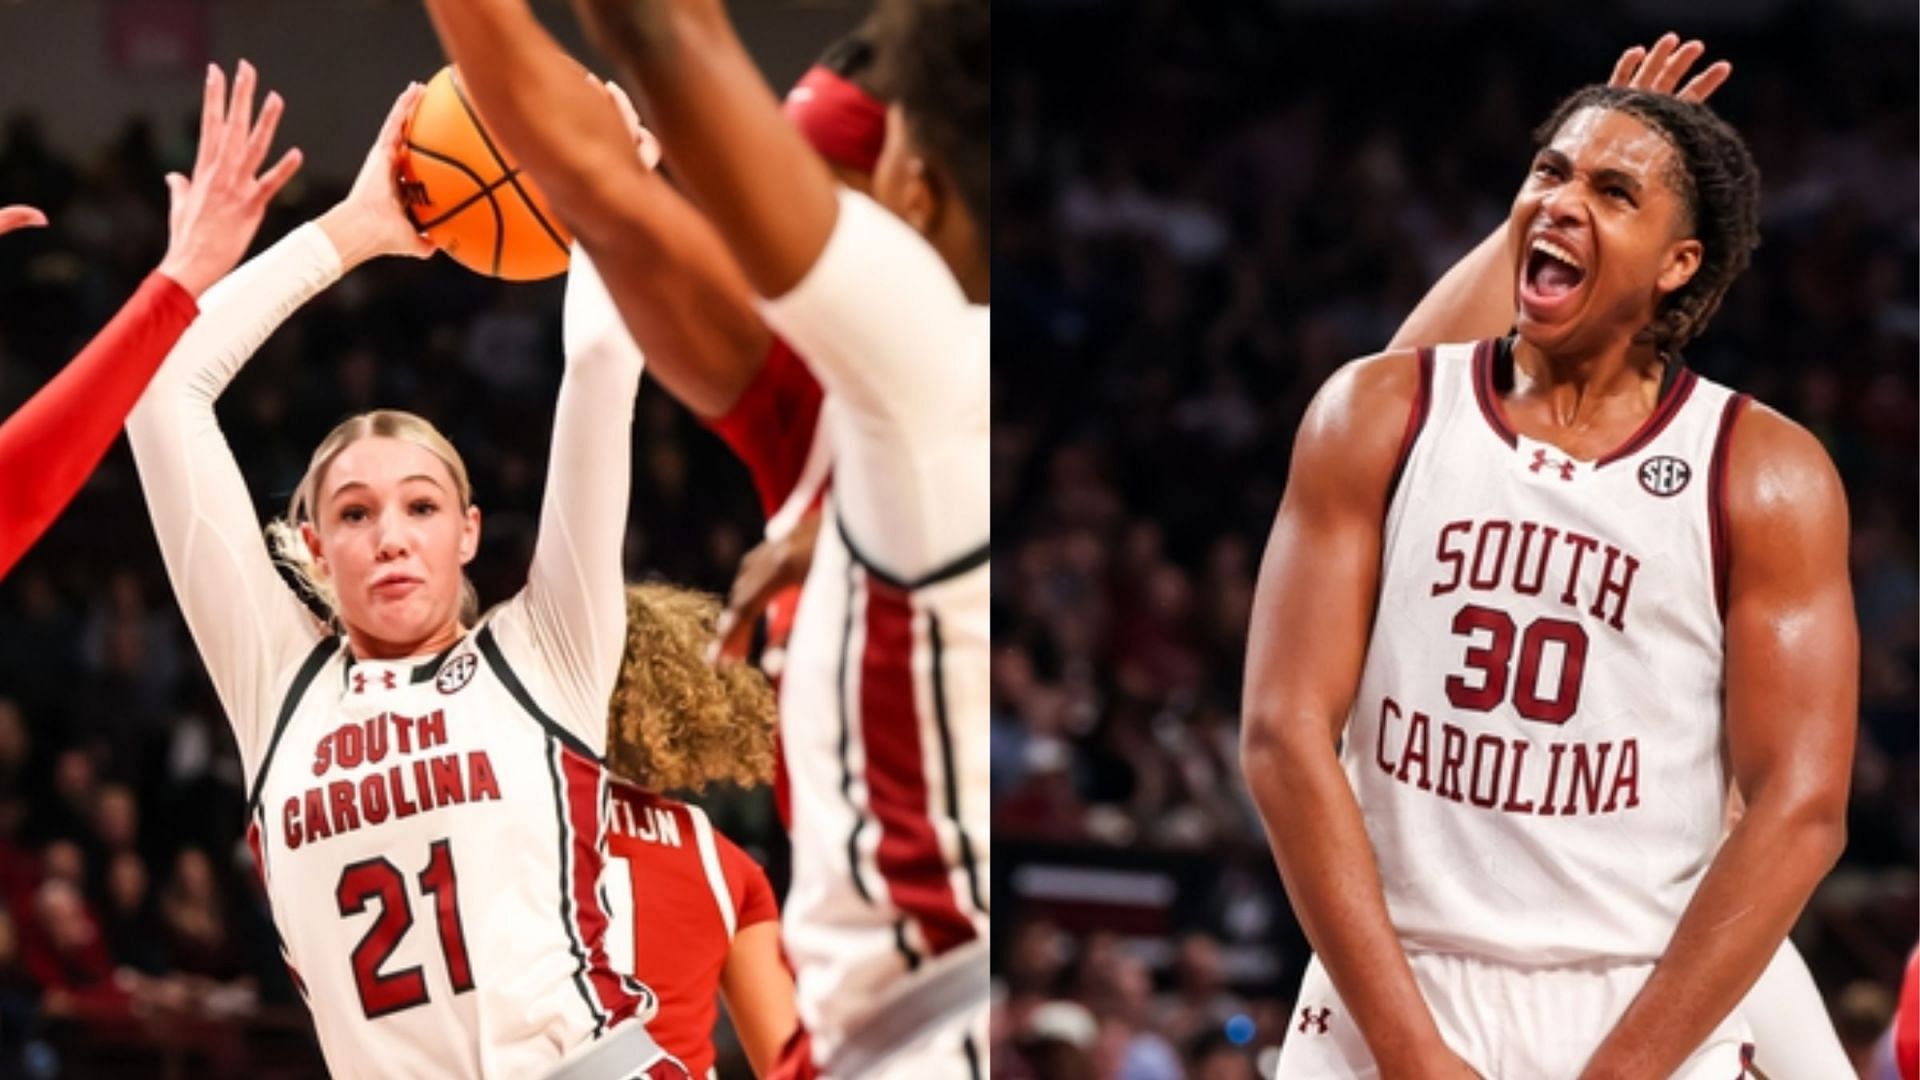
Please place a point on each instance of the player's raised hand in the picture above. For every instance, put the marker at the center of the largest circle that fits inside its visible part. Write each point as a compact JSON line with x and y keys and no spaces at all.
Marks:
{"x":20,"y":217}
{"x":768,"y":568}
{"x":1660,"y":69}
{"x":647,"y":141}
{"x":372,"y":219}
{"x":216,"y":211}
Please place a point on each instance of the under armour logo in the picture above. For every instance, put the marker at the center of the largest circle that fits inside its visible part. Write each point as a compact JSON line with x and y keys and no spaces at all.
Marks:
{"x":1319,"y":1022}
{"x":1540,"y":462}
{"x":360,"y":681}
{"x":412,"y":192}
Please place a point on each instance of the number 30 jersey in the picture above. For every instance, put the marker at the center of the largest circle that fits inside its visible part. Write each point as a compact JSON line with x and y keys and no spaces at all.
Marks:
{"x":432,"y":841}
{"x":1537,"y":741}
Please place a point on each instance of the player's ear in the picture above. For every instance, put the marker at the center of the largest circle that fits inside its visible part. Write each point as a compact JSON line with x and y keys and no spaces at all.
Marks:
{"x":470,"y":535}
{"x":311,"y":537}
{"x":1682,"y":262}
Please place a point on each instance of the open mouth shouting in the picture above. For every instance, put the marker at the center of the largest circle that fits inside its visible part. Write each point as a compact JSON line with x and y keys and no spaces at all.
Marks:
{"x":1550,"y":277}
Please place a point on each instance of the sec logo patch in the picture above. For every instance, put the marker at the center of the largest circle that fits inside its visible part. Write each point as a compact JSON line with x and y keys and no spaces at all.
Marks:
{"x":458,"y":673}
{"x":1664,"y":476}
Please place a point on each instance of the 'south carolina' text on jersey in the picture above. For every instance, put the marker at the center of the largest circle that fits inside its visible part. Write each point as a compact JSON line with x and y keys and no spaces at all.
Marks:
{"x":1589,"y":577}
{"x":415,"y":783}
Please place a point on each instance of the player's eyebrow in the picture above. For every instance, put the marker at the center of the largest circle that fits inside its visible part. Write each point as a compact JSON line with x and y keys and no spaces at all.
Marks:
{"x":337,"y":492}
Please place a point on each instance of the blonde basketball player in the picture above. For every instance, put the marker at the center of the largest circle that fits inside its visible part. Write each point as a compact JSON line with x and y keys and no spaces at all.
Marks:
{"x":1793,"y":1036}
{"x":426,"y":795}
{"x":1604,"y":587}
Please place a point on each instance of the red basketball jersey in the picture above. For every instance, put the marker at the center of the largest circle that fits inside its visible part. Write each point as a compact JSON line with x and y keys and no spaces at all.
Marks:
{"x":678,"y":891}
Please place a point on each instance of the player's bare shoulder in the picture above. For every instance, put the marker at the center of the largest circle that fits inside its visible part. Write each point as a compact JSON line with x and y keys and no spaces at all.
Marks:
{"x":1353,"y":434}
{"x":1779,"y":477}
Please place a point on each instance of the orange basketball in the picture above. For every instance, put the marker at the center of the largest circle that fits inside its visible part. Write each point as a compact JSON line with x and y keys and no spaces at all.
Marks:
{"x":462,"y":190}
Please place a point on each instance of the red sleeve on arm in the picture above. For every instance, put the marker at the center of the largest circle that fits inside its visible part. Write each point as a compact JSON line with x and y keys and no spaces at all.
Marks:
{"x":753,"y":894}
{"x":51,"y":445}
{"x":771,"y":427}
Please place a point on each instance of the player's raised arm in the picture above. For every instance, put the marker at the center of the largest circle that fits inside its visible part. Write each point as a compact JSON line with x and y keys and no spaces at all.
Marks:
{"x":1474,"y":299}
{"x":1312,"y":614}
{"x":769,"y":194}
{"x":245,"y":622}
{"x":51,"y":445}
{"x":682,"y":296}
{"x":1792,"y":694}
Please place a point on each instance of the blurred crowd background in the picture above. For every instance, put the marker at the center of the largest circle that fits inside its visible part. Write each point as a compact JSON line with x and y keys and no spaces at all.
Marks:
{"x":1200,"y":211}
{"x":134,"y":937}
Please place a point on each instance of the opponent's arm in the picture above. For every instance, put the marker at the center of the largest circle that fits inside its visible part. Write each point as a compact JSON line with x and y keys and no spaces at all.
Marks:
{"x":758,"y":991}
{"x":1313,"y":611}
{"x":51,"y":445}
{"x":1792,"y":672}
{"x":1474,"y":298}
{"x":679,"y":290}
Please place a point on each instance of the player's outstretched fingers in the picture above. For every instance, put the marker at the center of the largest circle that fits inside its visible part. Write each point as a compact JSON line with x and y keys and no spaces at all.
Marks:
{"x":1655,"y":61}
{"x":20,"y":217}
{"x":1702,"y":86}
{"x":1676,"y":66}
{"x":1628,"y":64}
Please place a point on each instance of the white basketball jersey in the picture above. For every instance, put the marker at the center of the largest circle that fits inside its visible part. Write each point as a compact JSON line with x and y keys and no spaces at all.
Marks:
{"x":883,"y":725}
{"x":432,"y":840}
{"x":1537,"y":741}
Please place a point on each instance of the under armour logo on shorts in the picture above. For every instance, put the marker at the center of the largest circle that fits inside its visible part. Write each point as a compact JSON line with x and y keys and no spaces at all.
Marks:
{"x":1319,"y":1022}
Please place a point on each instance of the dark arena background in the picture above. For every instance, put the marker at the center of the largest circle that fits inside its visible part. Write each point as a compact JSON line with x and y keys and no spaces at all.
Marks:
{"x":1201,"y":209}
{"x":116,"y":765}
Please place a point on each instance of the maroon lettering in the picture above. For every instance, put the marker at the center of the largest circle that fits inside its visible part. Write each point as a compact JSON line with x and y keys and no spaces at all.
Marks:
{"x":290,"y":823}
{"x":1612,"y":587}
{"x":345,"y":816}
{"x":1486,"y":769}
{"x":1453,"y":751}
{"x":376,"y":740}
{"x":1387,"y":708}
{"x":431,"y":729}
{"x":373,"y":799}
{"x":323,"y":756}
{"x":1627,"y":779}
{"x":402,"y":808}
{"x":1587,"y":774}
{"x":1520,"y":583}
{"x":316,"y":815}
{"x":1555,"y":751}
{"x":351,"y":751}
{"x":1490,"y":579}
{"x":423,"y":789}
{"x":402,"y":731}
{"x":1513,"y":805}
{"x":1449,"y":555}
{"x":480,"y":781}
{"x":1489,"y":659}
{"x":1415,"y":749}
{"x":1581,"y":545}
{"x":447,"y":783}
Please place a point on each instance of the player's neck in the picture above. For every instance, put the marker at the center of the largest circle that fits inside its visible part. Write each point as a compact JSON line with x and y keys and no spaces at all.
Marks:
{"x":1574,"y":384}
{"x":367,"y":647}
{"x":958,"y":242}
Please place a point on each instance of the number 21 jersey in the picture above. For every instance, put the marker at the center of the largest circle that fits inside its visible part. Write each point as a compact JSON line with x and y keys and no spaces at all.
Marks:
{"x":432,"y":839}
{"x":1537,"y":739}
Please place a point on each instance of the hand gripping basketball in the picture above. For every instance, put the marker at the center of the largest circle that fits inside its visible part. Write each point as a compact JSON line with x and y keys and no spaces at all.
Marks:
{"x":468,"y":196}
